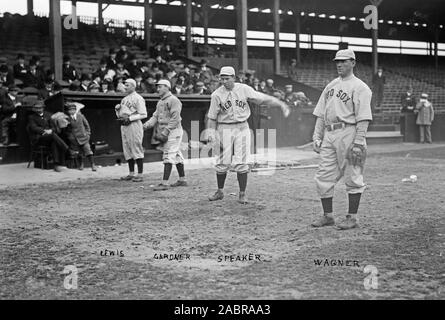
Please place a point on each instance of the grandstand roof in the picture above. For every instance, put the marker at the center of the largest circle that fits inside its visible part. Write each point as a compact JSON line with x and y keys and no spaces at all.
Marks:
{"x":425,"y":11}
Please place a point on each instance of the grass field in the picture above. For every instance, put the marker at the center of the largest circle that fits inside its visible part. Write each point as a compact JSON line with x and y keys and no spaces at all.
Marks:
{"x":401,"y":236}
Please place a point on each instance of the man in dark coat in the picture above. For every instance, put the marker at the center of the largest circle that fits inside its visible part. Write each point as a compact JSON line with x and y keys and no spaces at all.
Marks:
{"x":8,"y":112}
{"x":69,"y":73}
{"x":41,"y":132}
{"x":34,"y":77}
{"x":20,"y":68}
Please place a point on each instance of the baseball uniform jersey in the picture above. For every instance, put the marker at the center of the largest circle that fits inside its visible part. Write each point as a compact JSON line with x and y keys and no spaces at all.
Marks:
{"x":345,"y":100}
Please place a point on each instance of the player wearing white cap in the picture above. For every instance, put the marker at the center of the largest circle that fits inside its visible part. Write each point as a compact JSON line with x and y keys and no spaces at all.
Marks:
{"x":228,"y":114}
{"x":130,"y":112}
{"x":343,"y":115}
{"x":169,"y":132}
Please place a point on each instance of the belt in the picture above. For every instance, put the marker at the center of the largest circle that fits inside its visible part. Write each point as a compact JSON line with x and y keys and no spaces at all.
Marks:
{"x":338,"y":125}
{"x":232,"y":122}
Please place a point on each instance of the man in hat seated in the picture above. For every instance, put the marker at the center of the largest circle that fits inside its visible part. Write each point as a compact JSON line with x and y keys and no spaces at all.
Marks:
{"x":6,"y":77}
{"x":20,"y":68}
{"x":111,"y":61}
{"x":201,"y":89}
{"x":69,"y":73}
{"x":8,"y":113}
{"x":102,"y":71}
{"x":206,"y":73}
{"x":292,"y":70}
{"x":42,"y":132}
{"x":85,"y":82}
{"x":290,"y":96}
{"x":34,"y":77}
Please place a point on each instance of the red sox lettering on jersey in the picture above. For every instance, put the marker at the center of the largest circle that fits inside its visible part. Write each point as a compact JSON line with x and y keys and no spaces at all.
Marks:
{"x":345,"y":100}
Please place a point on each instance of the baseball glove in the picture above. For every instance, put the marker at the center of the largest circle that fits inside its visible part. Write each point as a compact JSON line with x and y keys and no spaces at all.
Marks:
{"x":357,"y":155}
{"x":161,"y":137}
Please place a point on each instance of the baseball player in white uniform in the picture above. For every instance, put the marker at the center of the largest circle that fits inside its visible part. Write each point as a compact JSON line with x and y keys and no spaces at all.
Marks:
{"x":169,"y":132}
{"x":343,"y":114}
{"x":228,"y":127}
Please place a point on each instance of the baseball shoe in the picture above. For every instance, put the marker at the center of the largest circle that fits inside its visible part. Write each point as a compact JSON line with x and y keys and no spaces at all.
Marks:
{"x":348,"y":223}
{"x":219,"y":195}
{"x":161,"y":187}
{"x":179,"y":183}
{"x":242,"y":198}
{"x":323,"y":221}
{"x":81,"y":165}
{"x":127,"y":178}
{"x":138,"y":179}
{"x":93,"y":167}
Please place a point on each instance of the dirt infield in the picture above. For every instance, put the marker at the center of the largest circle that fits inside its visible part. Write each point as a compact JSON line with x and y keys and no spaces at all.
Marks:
{"x":263,"y":250}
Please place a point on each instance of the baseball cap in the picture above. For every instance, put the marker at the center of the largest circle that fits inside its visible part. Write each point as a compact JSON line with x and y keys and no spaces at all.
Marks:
{"x":424,"y":95}
{"x":227,"y":71}
{"x":344,"y":54}
{"x":165,"y":82}
{"x":132,"y":81}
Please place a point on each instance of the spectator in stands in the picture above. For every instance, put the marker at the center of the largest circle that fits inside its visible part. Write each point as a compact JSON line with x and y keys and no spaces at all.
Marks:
{"x":408,"y":101}
{"x":250,"y":77}
{"x":156,"y":50}
{"x":78,"y":134}
{"x":178,"y":89}
{"x":378,"y":87}
{"x":121,"y":71}
{"x":134,"y":67}
{"x":214,"y":84}
{"x":69,"y":73}
{"x":150,"y":85}
{"x":270,"y":89}
{"x":6,"y":76}
{"x":85,"y":81}
{"x":34,"y":77}
{"x":42,"y":132}
{"x":263,"y":87}
{"x":20,"y":70}
{"x":201,"y":89}
{"x":94,"y":87}
{"x":120,"y":86}
{"x":49,"y":75}
{"x":8,"y":113}
{"x":122,"y":54}
{"x":161,"y":64}
{"x":172,"y":76}
{"x":107,"y":87}
{"x":205,"y":72}
{"x":140,"y":84}
{"x":292,"y":70}
{"x":256,"y":84}
{"x":111,"y":61}
{"x":102,"y":70}
{"x":47,"y":91}
{"x":37,"y":60}
{"x":425,"y":117}
{"x":169,"y":53}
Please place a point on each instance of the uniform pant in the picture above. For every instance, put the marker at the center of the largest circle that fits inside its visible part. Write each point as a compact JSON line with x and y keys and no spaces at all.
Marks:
{"x":334,"y":165}
{"x":234,"y":137}
{"x":172,"y":150}
{"x":425,"y":132}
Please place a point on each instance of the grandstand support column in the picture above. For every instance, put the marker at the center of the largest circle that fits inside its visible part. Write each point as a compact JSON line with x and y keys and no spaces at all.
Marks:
{"x":276,"y":31}
{"x":148,"y":16}
{"x":297,"y":36}
{"x":205,"y":22}
{"x":188,"y":29}
{"x":55,"y":36}
{"x":30,"y":7}
{"x":100,"y":16}
{"x":436,"y":41}
{"x":242,"y":34}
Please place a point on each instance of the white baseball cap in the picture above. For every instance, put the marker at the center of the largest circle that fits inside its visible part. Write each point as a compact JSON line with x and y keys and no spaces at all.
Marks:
{"x":344,"y":54}
{"x":132,"y":81}
{"x":165,"y":82}
{"x":227,"y":71}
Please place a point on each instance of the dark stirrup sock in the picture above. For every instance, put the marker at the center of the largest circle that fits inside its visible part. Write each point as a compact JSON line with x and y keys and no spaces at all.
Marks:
{"x":221,"y":179}
{"x":327,"y":205}
{"x":140,"y":164}
{"x":167,"y":171}
{"x":242,"y":181}
{"x":354,"y":202}
{"x":180,"y":168}
{"x":131,"y":165}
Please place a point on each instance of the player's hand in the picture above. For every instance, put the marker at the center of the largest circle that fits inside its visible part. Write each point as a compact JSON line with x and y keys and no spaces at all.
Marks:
{"x":117,"y":107}
{"x":161,"y":137}
{"x":317,"y":145}
{"x":285,"y":108}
